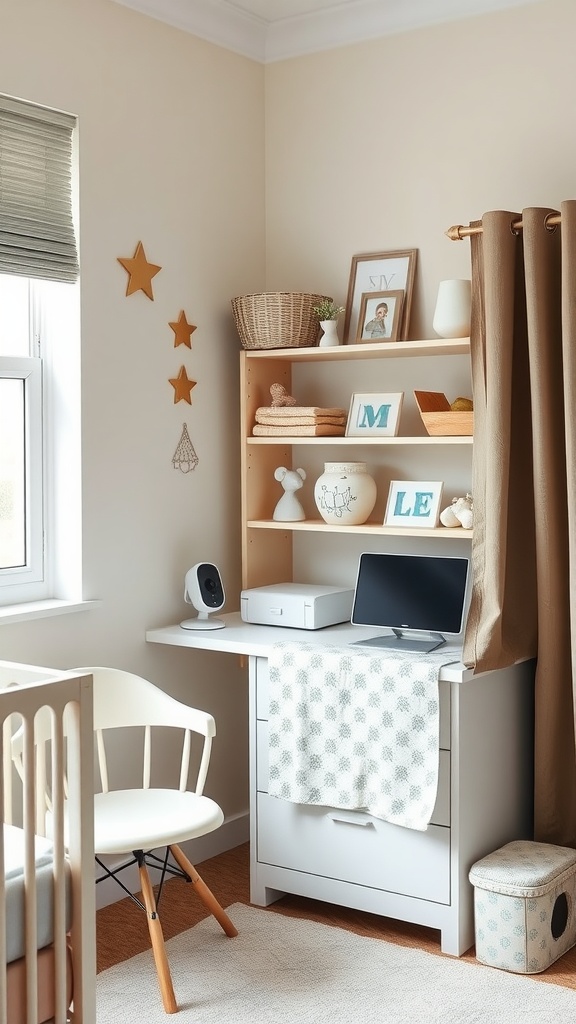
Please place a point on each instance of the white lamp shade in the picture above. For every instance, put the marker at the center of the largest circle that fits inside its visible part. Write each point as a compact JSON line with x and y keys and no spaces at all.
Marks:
{"x":452,"y":313}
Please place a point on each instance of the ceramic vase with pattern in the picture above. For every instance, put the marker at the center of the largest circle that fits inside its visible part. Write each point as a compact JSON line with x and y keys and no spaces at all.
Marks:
{"x":345,"y":494}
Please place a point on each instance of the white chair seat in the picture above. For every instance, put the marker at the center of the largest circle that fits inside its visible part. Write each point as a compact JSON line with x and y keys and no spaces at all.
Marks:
{"x":145,"y":819}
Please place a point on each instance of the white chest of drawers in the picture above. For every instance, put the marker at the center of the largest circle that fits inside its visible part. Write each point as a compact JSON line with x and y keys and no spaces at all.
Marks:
{"x":352,"y":859}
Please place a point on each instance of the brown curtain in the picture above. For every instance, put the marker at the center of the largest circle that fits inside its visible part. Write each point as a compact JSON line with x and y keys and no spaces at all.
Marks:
{"x":523,"y":341}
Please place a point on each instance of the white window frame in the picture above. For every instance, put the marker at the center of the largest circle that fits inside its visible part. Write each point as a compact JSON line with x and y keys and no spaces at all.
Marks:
{"x":20,"y":582}
{"x":55,"y":459}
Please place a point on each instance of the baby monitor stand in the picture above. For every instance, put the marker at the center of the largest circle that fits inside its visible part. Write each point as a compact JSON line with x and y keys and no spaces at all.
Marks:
{"x":203,"y":621}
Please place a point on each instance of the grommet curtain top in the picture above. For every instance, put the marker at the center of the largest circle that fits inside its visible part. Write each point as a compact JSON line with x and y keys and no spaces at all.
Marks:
{"x":37,"y":237}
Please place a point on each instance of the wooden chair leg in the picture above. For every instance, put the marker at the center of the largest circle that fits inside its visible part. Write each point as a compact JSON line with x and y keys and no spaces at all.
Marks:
{"x":157,"y":940}
{"x":205,"y":894}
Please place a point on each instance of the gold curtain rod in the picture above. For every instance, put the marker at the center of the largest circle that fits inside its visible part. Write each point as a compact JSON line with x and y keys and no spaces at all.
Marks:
{"x":459,"y":231}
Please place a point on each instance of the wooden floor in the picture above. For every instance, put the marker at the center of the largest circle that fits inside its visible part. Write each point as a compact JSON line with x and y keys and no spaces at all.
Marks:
{"x":122,"y":930}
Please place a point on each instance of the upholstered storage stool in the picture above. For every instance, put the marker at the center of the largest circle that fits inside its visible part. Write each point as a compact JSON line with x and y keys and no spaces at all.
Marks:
{"x":524,"y":906}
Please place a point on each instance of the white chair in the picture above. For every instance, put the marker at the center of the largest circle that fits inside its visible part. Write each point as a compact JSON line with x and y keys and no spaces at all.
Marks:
{"x":139,"y":821}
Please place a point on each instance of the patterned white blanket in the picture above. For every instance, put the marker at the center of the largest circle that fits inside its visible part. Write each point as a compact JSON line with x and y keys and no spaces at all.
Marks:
{"x":354,"y":728}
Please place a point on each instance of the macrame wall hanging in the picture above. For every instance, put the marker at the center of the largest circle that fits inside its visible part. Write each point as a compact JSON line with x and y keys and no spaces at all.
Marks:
{"x":185,"y":458}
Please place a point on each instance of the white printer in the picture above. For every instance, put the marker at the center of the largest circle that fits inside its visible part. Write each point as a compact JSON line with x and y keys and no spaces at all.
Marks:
{"x":299,"y":605}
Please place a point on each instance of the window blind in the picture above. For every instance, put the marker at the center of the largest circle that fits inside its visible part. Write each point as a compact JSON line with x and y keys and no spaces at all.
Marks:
{"x":37,"y":236}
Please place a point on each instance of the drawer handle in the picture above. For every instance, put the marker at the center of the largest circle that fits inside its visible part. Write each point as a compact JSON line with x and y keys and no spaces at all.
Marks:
{"x":345,"y":820}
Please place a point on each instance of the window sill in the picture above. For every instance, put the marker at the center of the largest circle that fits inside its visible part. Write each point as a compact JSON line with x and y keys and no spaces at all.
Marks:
{"x":42,"y":609}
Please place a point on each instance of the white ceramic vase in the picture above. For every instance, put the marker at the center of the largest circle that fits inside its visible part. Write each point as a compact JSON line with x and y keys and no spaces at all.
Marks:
{"x":345,"y":494}
{"x":453,"y":305}
{"x":330,"y":336}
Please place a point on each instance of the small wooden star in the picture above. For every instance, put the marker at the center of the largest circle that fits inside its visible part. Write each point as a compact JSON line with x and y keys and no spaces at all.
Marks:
{"x":182,"y":385}
{"x":140,"y":272}
{"x":183,"y":330}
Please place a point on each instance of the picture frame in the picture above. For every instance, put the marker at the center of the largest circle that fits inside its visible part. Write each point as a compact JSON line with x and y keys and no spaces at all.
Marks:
{"x":380,"y":316}
{"x":414,"y":503}
{"x":374,"y":415}
{"x":379,"y":272}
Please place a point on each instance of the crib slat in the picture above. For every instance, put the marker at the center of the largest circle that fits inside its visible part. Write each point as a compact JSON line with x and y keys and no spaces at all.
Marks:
{"x":81,"y":852}
{"x":7,"y":770}
{"x":58,"y":772}
{"x":64,"y":720}
{"x":29,"y":816}
{"x":6,"y":784}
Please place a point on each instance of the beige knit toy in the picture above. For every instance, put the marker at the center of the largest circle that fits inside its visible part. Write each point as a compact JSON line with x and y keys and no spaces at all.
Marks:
{"x":280,"y":396}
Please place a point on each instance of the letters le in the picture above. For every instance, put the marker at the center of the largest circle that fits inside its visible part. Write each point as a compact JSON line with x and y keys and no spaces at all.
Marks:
{"x":421,"y":507}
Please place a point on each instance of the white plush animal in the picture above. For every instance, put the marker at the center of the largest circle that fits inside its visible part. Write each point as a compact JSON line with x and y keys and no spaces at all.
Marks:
{"x":289,"y":509}
{"x":459,"y":513}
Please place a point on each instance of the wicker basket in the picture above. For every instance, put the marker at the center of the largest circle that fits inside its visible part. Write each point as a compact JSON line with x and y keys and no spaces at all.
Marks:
{"x":277,"y":319}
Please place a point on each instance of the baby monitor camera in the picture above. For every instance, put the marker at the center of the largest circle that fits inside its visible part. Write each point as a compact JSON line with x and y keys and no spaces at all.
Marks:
{"x":203,"y":588}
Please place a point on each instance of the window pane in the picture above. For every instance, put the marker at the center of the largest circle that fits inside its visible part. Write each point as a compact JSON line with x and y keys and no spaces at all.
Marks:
{"x":12,"y":474}
{"x":14,"y":316}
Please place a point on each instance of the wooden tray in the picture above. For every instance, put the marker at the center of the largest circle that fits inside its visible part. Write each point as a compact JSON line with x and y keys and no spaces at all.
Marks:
{"x":439,"y":419}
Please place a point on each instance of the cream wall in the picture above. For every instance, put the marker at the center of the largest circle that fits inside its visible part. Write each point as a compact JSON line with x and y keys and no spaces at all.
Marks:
{"x":384,"y":145}
{"x":171,"y":153}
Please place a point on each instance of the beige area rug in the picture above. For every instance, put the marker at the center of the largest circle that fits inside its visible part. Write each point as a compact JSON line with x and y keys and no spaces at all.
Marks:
{"x":283,"y":970}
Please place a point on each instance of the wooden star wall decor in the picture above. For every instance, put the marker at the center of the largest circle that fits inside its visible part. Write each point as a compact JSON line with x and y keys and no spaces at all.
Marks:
{"x":140,"y":272}
{"x":182,"y":330}
{"x":182,"y":385}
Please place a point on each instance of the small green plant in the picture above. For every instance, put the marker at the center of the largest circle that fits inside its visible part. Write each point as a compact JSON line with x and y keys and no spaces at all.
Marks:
{"x":327,"y":310}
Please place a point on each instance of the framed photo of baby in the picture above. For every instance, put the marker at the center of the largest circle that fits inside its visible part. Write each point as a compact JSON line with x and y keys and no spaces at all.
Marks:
{"x":379,"y":274}
{"x":380,"y":316}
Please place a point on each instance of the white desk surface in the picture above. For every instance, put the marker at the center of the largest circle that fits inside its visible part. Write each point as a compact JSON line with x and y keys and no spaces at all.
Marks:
{"x":238,"y":637}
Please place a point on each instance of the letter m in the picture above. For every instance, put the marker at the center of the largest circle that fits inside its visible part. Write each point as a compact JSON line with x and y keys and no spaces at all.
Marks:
{"x":368,"y":417}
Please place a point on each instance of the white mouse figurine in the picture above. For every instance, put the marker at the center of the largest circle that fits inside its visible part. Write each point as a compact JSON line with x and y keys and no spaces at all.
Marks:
{"x":289,"y":509}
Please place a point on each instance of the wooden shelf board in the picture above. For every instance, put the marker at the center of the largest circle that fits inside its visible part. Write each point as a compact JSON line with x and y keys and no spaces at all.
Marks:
{"x":318,"y":525}
{"x":379,"y":350}
{"x":360,"y":441}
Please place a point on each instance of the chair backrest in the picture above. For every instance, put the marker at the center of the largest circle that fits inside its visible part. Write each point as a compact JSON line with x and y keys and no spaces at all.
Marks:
{"x":122,"y":700}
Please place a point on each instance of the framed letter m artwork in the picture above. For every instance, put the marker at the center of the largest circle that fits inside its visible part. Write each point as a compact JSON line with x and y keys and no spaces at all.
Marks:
{"x":374,"y":415}
{"x":413,"y":503}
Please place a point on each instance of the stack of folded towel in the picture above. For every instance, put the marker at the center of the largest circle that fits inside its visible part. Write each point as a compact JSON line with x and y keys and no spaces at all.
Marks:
{"x":299,"y":420}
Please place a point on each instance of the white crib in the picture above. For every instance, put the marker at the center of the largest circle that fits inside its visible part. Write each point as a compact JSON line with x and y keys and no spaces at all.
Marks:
{"x":47,"y":909}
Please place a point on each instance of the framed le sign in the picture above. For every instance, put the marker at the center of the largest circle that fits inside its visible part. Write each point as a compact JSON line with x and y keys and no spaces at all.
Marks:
{"x":413,"y":503}
{"x":374,"y":415}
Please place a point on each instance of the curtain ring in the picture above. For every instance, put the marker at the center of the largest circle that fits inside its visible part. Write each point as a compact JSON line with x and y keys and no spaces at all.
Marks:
{"x":515,"y":227}
{"x":548,"y":226}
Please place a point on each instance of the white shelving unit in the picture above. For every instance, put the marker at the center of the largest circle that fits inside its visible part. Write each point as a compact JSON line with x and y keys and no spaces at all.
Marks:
{"x":268,"y":546}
